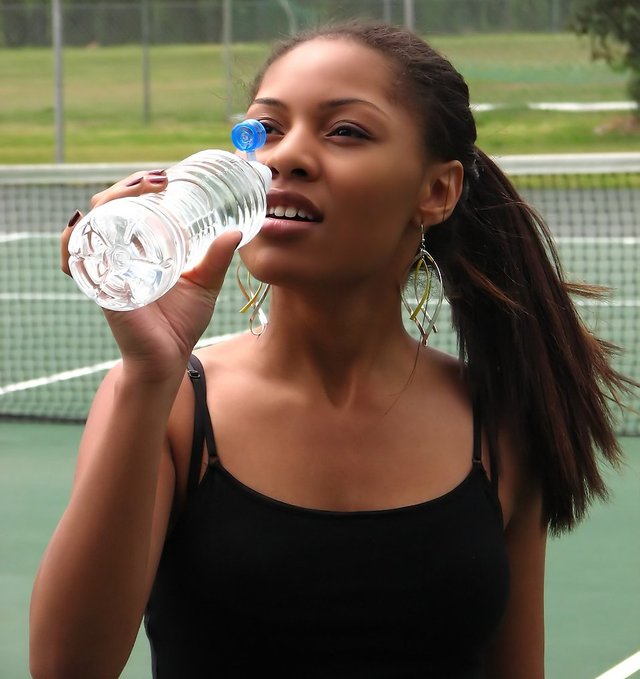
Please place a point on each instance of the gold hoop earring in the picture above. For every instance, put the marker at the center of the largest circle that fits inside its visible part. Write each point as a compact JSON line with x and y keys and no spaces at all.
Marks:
{"x":255,"y":299}
{"x":424,"y":276}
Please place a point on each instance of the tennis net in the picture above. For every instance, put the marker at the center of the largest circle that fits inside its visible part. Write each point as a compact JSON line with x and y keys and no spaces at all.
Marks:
{"x":55,"y":345}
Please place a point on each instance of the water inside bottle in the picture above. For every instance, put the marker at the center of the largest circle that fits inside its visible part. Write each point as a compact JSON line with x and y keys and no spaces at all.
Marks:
{"x":130,"y":251}
{"x":120,"y":262}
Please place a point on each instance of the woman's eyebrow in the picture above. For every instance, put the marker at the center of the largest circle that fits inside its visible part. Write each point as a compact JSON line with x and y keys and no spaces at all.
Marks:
{"x":348,"y":101}
{"x":331,"y":104}
{"x":269,"y":101}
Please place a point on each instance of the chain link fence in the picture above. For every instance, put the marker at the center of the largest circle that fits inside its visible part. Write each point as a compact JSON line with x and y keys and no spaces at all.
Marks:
{"x":28,"y":23}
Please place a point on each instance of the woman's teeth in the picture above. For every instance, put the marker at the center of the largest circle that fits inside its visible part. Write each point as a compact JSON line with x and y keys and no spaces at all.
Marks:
{"x":288,"y":212}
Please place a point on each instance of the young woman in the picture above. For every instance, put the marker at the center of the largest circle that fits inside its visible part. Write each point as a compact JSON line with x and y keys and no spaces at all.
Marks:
{"x":364,"y":506}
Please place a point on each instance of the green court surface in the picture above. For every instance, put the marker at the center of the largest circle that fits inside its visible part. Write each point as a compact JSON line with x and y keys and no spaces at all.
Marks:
{"x":592,"y":582}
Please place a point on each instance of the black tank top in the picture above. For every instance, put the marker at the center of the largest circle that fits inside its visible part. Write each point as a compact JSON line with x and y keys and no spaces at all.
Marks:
{"x":248,"y":585}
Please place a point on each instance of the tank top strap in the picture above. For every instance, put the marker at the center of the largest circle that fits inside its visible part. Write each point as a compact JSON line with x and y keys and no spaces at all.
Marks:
{"x":477,"y":434}
{"x":202,"y":428}
{"x":477,"y":447}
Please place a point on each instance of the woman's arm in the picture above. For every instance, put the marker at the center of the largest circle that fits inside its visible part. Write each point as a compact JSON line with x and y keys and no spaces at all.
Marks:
{"x":95,"y":577}
{"x":518,"y":648}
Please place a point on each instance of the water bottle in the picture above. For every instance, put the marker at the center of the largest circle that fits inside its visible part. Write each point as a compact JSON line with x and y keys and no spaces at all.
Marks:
{"x":130,"y":251}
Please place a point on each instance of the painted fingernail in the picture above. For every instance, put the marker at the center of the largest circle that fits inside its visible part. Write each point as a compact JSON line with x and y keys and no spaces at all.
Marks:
{"x":74,"y":218}
{"x":157,"y":180}
{"x":162,"y":172}
{"x":133,"y":182}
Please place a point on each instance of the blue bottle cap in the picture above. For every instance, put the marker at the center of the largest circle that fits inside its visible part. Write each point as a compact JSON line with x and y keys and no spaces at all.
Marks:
{"x":248,"y":135}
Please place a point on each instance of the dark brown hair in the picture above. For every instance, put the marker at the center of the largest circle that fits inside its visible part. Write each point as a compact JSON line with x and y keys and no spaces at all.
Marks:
{"x":531,"y":362}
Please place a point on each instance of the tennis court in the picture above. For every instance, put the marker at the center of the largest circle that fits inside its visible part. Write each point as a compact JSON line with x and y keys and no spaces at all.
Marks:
{"x":592,"y":593}
{"x":54,"y":350}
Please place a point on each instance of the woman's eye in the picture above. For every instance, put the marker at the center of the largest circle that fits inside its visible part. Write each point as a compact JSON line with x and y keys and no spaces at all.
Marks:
{"x":269,"y":127}
{"x":349,"y":131}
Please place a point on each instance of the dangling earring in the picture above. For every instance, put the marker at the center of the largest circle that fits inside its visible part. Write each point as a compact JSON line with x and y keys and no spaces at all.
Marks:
{"x":424,"y":275}
{"x":255,"y":299}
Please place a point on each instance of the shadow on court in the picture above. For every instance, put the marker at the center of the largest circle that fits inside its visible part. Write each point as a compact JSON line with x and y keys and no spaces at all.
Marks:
{"x":593,"y":574}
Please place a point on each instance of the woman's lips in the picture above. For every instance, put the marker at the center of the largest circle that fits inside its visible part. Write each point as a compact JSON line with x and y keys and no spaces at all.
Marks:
{"x":283,"y":227}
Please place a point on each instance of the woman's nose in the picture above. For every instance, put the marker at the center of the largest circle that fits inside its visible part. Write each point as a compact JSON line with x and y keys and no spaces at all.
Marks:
{"x":293,"y":155}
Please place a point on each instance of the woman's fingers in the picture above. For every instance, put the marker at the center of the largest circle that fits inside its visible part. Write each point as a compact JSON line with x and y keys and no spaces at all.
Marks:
{"x":136,"y":184}
{"x":210,"y":272}
{"x":64,"y":241}
{"x":152,"y":181}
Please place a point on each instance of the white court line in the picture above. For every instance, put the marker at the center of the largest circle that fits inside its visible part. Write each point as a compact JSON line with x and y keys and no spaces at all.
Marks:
{"x":42,"y":297}
{"x":91,"y":369}
{"x":597,"y":240}
{"x":578,"y":107}
{"x":10,"y":237}
{"x":24,"y":235}
{"x":624,"y":669}
{"x":618,"y":303}
{"x":572,"y":106}
{"x":623,"y":240}
{"x":586,"y":240}
{"x":58,"y":377}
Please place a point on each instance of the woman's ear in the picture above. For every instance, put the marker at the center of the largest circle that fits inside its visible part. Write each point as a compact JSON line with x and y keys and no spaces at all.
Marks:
{"x":441,"y":192}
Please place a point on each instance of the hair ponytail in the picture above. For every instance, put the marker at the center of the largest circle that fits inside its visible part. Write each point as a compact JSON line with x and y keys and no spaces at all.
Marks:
{"x":531,"y":360}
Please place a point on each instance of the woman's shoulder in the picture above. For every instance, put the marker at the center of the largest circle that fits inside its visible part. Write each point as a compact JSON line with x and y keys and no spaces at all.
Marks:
{"x":516,"y":482}
{"x":219,"y":361}
{"x":445,"y":374}
{"x":215,"y":359}
{"x":451,"y":367}
{"x":232,"y":353}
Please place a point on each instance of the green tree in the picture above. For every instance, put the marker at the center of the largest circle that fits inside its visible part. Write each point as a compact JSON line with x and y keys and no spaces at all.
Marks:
{"x":613,"y":27}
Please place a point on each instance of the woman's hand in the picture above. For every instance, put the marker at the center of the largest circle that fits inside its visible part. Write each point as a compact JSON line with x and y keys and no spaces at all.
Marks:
{"x":156,"y":340}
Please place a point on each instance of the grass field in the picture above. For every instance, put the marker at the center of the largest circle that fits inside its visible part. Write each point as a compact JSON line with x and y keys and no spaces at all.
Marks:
{"x":189,"y":98}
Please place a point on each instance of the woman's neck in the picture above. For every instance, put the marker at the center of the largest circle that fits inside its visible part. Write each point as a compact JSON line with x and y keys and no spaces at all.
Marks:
{"x":341,"y":346}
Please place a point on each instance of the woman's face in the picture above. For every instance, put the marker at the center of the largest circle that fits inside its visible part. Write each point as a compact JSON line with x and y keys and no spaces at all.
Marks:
{"x":348,"y":169}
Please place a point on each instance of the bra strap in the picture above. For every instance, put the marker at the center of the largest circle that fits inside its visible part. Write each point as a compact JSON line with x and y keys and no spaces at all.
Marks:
{"x":202,"y":429}
{"x":477,"y":447}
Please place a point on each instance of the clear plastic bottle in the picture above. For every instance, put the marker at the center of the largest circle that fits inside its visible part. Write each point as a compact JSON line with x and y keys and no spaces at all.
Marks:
{"x":130,"y":251}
